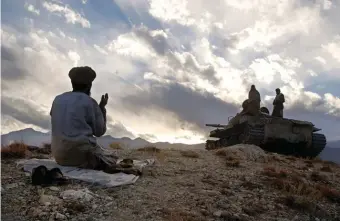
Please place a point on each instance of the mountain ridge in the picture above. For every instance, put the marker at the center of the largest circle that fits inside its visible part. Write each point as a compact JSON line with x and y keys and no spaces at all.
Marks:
{"x":36,"y":138}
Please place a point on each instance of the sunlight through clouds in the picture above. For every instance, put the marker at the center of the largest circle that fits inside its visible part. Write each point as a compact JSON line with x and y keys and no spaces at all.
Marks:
{"x":169,"y":67}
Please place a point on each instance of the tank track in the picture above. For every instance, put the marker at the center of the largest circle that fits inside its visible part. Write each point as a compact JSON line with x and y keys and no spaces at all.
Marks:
{"x":253,"y":135}
{"x":318,"y":144}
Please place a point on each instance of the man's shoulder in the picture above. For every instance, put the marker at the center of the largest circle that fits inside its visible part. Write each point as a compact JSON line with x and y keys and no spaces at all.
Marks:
{"x":70,"y":94}
{"x":74,"y":96}
{"x":62,"y":95}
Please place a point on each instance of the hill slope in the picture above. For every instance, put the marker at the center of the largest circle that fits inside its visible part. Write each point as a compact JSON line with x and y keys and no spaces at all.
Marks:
{"x":237,"y":183}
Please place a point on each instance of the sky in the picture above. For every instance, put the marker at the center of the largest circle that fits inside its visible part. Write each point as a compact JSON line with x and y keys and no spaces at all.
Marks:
{"x":172,"y":66}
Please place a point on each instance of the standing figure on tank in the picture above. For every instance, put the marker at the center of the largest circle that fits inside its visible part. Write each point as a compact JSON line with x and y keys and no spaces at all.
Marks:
{"x":253,"y":102}
{"x":278,"y":104}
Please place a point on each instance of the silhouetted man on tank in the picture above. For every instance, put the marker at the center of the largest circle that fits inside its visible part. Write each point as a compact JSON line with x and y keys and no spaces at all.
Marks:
{"x":252,"y":104}
{"x":278,"y":104}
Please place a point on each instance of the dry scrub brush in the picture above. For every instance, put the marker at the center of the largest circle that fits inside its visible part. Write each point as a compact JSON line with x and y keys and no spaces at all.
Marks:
{"x":317,"y":177}
{"x":272,"y":172}
{"x":149,"y":149}
{"x":293,"y":184}
{"x":14,"y":150}
{"x":189,"y":154}
{"x":252,"y":209}
{"x":116,"y":146}
{"x":159,"y":154}
{"x":326,"y":168}
{"x":231,"y":160}
{"x":299,"y":203}
{"x":46,"y":149}
{"x":180,"y":215}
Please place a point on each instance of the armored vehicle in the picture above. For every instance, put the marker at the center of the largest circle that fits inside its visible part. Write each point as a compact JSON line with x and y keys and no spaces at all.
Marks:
{"x":273,"y":134}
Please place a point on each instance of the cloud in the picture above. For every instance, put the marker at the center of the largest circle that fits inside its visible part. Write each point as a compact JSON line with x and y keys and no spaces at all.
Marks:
{"x":74,"y":56}
{"x":333,"y":48}
{"x":118,"y":129}
{"x":171,"y":67}
{"x":174,"y":10}
{"x":39,"y":60}
{"x":32,"y":9}
{"x":70,"y":15}
{"x":25,"y":111}
{"x":10,"y":64}
{"x":193,"y":110}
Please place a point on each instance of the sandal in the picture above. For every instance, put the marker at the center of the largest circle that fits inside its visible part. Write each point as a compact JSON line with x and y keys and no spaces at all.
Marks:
{"x":44,"y":177}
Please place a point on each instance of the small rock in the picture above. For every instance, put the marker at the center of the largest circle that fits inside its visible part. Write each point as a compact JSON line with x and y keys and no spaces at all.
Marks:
{"x":54,"y":188}
{"x":60,"y":216}
{"x":51,"y":217}
{"x":218,"y":213}
{"x":230,"y":216}
{"x":35,"y":211}
{"x":12,"y":185}
{"x":83,"y":195}
{"x":43,"y":214}
{"x":49,"y":199}
{"x":109,"y":204}
{"x":94,"y":206}
{"x":210,"y":192}
{"x":54,"y":209}
{"x":295,"y":218}
{"x":204,"y":212}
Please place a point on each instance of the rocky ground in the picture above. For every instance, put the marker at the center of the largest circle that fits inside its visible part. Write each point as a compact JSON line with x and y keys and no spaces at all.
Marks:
{"x":235,"y":183}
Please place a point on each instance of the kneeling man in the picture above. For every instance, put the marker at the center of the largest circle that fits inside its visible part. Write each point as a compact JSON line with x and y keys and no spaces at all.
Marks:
{"x":77,"y":120}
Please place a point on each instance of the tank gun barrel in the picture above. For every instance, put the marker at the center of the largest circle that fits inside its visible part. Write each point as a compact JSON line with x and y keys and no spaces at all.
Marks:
{"x":215,"y":125}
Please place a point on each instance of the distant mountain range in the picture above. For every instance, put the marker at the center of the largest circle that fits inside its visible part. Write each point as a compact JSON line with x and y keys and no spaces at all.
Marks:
{"x":32,"y":137}
{"x":331,"y":152}
{"x":36,"y":138}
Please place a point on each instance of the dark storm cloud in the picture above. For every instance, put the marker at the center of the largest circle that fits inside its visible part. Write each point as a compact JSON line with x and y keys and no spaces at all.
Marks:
{"x":160,"y":44}
{"x":25,"y":112}
{"x":147,"y":136}
{"x":11,"y":65}
{"x":191,"y":107}
{"x":117,"y":129}
{"x":191,"y":66}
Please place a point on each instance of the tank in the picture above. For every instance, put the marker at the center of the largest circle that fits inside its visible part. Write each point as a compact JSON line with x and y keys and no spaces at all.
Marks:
{"x":273,"y":134}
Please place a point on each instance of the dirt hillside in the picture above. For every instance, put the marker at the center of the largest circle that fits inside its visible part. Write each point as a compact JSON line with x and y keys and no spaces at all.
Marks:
{"x":234,"y":183}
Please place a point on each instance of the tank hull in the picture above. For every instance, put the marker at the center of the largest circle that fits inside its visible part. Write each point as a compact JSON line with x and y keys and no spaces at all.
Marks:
{"x":280,"y":137}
